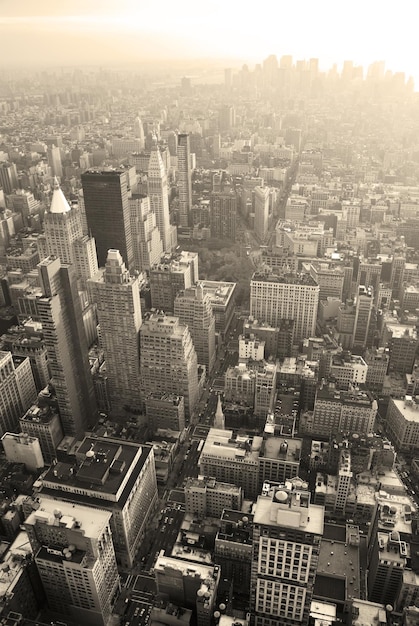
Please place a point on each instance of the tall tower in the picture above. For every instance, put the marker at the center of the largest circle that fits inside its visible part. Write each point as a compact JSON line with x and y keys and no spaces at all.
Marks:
{"x":65,"y":339}
{"x":286,"y":543}
{"x":107,"y":211}
{"x":63,"y":237}
{"x":261,"y":211}
{"x":168,"y":360}
{"x":193,"y":307}
{"x":185,"y":178}
{"x":364,"y":304}
{"x":159,"y":195}
{"x":117,"y":296}
{"x":8,"y":177}
{"x":139,"y":131}
{"x":75,"y":557}
{"x":54,"y":161}
{"x":147,"y":242}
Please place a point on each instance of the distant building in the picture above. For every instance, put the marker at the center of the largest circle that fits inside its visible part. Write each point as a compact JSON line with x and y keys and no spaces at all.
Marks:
{"x":184,"y":179}
{"x":148,"y":246}
{"x":261,"y":211}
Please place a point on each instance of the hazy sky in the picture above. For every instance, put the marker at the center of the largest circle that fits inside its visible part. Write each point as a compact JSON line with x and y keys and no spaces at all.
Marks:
{"x":98,"y":31}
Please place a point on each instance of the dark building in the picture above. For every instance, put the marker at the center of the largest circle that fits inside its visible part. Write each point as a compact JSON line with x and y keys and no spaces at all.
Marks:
{"x":108,"y":213}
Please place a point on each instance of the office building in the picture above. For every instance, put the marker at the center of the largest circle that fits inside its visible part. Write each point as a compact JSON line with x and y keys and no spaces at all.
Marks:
{"x":261,"y":212}
{"x":54,"y":161}
{"x":329,"y":278}
{"x":139,"y":131}
{"x":75,"y":558}
{"x":174,"y":273}
{"x":8,"y":177}
{"x":165,"y":411}
{"x":402,"y":423}
{"x":287,"y":531}
{"x":193,"y":308}
{"x":337,"y":411}
{"x":111,"y":474}
{"x":207,"y":497}
{"x":233,"y":549}
{"x":287,"y":296}
{"x":26,"y":341}
{"x":184,"y":179}
{"x":106,"y":204}
{"x":63,"y":237}
{"x":402,"y":341}
{"x":117,"y":297}
{"x":223,"y":303}
{"x":65,"y":339}
{"x":348,"y":369}
{"x":147,"y":242}
{"x":42,"y":421}
{"x":168,"y":361}
{"x":21,"y":448}
{"x":223,"y":215}
{"x":232,"y":458}
{"x":189,"y":584}
{"x":158,"y":193}
{"x":279,"y":458}
{"x":239,"y":384}
{"x":17,"y":390}
{"x":377,"y":360}
{"x":363,"y":313}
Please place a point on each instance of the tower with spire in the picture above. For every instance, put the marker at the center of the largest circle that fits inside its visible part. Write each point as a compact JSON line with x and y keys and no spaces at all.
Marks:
{"x":219,"y":419}
{"x":159,"y":194}
{"x":63,"y":237}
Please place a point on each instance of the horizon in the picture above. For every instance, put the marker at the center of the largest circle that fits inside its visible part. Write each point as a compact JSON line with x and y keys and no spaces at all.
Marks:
{"x":103,"y":33}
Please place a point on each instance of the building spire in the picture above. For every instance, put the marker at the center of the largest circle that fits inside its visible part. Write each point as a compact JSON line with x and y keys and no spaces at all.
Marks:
{"x":219,"y":421}
{"x":59,"y":202}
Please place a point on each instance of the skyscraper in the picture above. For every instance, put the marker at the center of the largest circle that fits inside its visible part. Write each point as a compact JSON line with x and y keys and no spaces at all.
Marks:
{"x":139,"y":131}
{"x":261,"y":211}
{"x":185,"y":179}
{"x":54,"y":161}
{"x":193,"y":307}
{"x":65,"y":339}
{"x":287,"y":532}
{"x":223,"y":215}
{"x":63,"y":237}
{"x":8,"y":177}
{"x":168,"y":360}
{"x":75,"y":558}
{"x":117,"y":296}
{"x":107,"y":211}
{"x":147,"y":242}
{"x":159,"y":195}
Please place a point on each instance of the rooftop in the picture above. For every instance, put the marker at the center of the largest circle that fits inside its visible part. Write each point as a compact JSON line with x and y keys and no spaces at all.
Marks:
{"x":286,"y":278}
{"x":230,"y":446}
{"x":282,"y":449}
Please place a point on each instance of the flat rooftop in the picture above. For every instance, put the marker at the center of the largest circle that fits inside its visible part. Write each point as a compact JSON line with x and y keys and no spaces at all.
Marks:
{"x":282,"y":449}
{"x":230,"y":446}
{"x":287,"y":279}
{"x":409,"y":408}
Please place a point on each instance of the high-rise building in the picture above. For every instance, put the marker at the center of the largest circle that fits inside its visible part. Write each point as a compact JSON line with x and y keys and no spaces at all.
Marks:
{"x":111,"y":474}
{"x":193,"y":308}
{"x":43,"y":422}
{"x":75,"y":558}
{"x":174,"y":273}
{"x":63,"y":237}
{"x":147,"y":242}
{"x":287,"y":296}
{"x":139,"y":131}
{"x":168,"y":360}
{"x":17,"y":390}
{"x":261,"y":211}
{"x":159,"y":195}
{"x":107,"y":209}
{"x":117,"y":297}
{"x":184,"y":179}
{"x":363,"y":310}
{"x":287,"y":531}
{"x":8,"y":177}
{"x":54,"y":161}
{"x":223,"y":215}
{"x":65,"y":339}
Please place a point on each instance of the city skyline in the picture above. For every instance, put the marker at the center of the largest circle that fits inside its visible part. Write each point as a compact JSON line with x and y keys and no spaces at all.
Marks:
{"x":101,"y":33}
